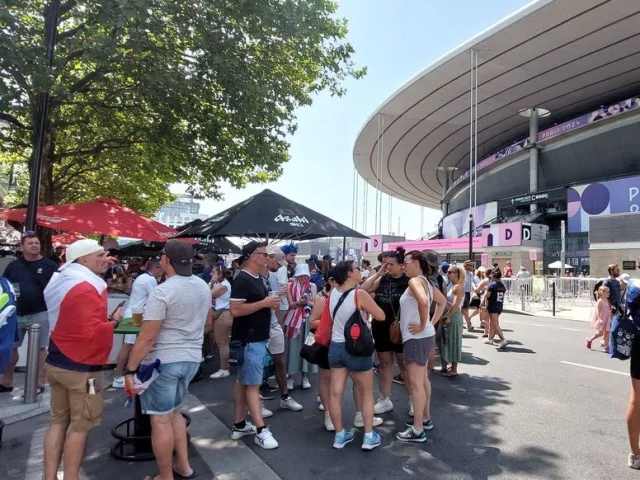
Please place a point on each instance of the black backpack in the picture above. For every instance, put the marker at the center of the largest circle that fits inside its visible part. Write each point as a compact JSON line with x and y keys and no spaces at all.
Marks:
{"x":357,"y":334}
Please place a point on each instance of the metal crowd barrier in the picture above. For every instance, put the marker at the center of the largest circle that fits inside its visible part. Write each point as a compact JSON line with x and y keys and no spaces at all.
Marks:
{"x":568,"y":292}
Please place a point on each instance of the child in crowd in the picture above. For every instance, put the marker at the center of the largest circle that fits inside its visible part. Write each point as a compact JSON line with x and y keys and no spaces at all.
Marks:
{"x":601,"y":318}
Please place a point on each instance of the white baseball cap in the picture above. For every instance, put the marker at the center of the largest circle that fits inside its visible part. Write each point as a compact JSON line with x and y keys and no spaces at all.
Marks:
{"x":80,"y":248}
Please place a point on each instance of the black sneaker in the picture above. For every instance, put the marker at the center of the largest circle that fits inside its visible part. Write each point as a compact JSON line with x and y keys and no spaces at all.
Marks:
{"x":265,"y":392}
{"x":409,"y":435}
{"x":426,"y":424}
{"x":398,"y":379}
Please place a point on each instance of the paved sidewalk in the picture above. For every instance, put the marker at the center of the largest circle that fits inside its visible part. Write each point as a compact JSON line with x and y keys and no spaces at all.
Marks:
{"x":564,"y":311}
{"x":12,"y":406}
{"x":211,"y":449}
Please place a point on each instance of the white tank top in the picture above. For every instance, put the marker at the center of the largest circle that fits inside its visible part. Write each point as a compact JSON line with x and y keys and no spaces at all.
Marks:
{"x":344,"y":313}
{"x":409,"y":314}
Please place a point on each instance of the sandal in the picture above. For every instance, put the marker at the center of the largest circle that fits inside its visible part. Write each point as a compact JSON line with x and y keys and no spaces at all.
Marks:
{"x":449,"y":375}
{"x":182,"y":477}
{"x":4,"y":389}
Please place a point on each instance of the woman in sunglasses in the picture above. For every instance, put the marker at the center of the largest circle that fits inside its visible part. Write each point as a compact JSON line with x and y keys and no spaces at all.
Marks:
{"x":452,"y":349}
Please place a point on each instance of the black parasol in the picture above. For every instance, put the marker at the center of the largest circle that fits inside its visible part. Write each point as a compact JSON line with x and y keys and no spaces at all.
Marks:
{"x":270,"y":215}
{"x":220,"y":245}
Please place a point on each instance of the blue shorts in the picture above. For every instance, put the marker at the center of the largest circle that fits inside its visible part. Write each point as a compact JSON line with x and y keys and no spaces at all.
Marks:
{"x":166,"y":392}
{"x":339,"y":358}
{"x":250,"y":373}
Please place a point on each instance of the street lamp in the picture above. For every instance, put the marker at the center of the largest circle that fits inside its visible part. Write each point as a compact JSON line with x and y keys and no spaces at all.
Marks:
{"x":43,"y":115}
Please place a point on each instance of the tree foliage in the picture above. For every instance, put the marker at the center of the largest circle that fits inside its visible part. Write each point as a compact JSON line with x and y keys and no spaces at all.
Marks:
{"x":145,"y":93}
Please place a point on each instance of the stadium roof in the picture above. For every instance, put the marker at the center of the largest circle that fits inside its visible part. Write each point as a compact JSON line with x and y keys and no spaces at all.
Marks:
{"x":567,"y":56}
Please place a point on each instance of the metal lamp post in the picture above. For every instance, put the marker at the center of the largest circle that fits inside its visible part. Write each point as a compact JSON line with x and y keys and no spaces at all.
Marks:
{"x":51,"y":31}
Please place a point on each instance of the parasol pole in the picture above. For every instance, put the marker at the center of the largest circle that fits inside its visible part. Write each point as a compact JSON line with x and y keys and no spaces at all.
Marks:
{"x":344,"y":247}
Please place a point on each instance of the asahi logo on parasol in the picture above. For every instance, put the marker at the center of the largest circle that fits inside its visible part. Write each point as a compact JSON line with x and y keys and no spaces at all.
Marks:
{"x":49,"y":219}
{"x":289,"y":216}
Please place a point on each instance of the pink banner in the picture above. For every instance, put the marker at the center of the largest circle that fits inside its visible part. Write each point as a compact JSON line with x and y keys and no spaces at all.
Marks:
{"x":442,"y":244}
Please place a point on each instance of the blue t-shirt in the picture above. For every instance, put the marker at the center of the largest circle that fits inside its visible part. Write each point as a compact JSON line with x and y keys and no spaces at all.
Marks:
{"x":614,"y":292}
{"x":32,"y":277}
{"x":495,"y":301}
{"x":633,"y":302}
{"x":317,"y":277}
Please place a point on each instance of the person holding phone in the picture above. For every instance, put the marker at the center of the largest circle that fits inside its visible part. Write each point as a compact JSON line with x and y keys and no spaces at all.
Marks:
{"x":81,"y":339}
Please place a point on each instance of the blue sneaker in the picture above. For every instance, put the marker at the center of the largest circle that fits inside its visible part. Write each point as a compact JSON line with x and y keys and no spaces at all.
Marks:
{"x":342,"y":439}
{"x":371,"y":441}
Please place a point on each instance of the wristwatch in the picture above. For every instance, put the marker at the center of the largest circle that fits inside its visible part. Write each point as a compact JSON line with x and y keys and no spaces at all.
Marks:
{"x":130,"y":372}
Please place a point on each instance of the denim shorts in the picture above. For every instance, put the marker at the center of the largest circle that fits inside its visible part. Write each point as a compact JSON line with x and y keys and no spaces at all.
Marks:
{"x":339,"y":358}
{"x":250,"y":373}
{"x":167,"y":391}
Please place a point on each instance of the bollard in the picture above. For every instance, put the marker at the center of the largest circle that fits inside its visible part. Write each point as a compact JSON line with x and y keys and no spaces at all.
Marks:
{"x":522,"y":297}
{"x":33,"y":356}
{"x":553,"y":298}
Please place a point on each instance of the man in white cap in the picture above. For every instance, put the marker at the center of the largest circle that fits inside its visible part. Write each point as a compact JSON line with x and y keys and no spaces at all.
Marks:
{"x":81,"y":339}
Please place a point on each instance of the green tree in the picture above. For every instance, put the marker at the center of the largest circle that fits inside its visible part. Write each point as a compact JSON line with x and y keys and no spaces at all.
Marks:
{"x":145,"y":93}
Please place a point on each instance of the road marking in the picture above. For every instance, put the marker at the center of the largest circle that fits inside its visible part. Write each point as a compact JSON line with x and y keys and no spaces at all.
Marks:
{"x":567,"y":328}
{"x":595,"y":368}
{"x":537,"y":325}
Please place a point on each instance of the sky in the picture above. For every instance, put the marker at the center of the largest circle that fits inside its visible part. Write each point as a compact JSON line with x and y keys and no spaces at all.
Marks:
{"x":395,"y":39}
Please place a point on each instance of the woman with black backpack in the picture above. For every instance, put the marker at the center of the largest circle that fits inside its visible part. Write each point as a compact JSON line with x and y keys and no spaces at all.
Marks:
{"x":350,"y":351}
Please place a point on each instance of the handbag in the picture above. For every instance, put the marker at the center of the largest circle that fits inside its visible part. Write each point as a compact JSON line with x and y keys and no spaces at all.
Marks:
{"x":395,"y":332}
{"x":236,"y":353}
{"x":623,"y":332}
{"x":316,"y":345}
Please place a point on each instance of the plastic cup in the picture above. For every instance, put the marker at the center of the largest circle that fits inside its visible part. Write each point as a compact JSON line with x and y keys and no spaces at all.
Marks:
{"x":274,"y":294}
{"x":136,"y":316}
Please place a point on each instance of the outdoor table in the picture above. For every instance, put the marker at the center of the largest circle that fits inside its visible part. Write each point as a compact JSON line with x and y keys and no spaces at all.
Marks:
{"x":134,"y":434}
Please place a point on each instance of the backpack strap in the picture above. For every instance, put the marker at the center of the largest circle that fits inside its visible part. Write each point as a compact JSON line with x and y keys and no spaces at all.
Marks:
{"x":341,"y":301}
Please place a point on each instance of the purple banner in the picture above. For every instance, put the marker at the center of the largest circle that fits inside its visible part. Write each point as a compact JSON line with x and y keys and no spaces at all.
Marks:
{"x":601,"y":198}
{"x":582,"y":121}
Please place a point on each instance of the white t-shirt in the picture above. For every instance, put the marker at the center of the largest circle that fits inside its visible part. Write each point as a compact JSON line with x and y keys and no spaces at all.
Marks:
{"x":343,"y":314}
{"x":140,"y":291}
{"x":283,"y":280}
{"x":182,"y":304}
{"x":222,"y":302}
{"x":410,"y":315}
{"x":365,"y":274}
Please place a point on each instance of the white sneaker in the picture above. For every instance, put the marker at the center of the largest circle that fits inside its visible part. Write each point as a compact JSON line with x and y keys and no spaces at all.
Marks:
{"x":383,"y":405}
{"x":321,"y":407}
{"x":358,"y":421}
{"x":266,"y":413}
{"x":220,"y":374}
{"x":237,"y":433}
{"x":488,"y":342}
{"x":290,"y":404}
{"x":328,"y":424}
{"x":306,"y":385}
{"x":290,"y":384}
{"x":411,"y":407}
{"x":265,"y":439}
{"x":118,"y":382}
{"x":318,"y":399}
{"x":503,"y":343}
{"x":634,"y":461}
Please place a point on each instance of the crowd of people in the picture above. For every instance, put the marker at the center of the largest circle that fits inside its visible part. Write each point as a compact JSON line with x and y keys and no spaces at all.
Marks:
{"x":339,"y":319}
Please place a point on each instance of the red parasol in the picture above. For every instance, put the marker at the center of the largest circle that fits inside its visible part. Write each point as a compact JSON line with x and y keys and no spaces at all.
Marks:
{"x":65,"y":239}
{"x":104,"y":216}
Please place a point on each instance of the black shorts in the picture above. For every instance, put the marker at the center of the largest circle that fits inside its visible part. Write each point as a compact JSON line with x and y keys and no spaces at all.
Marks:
{"x":635,"y":358}
{"x":382,"y":337}
{"x":493,"y":309}
{"x":467,"y":298}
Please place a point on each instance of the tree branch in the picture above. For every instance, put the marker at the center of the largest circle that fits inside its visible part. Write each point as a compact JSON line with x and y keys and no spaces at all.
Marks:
{"x":11,"y":119}
{"x":66,"y":7}
{"x":84,"y":82}
{"x":70,"y":33}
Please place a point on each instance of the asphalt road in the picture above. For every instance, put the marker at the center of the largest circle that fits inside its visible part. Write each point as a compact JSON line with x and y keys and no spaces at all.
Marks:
{"x":546,"y":407}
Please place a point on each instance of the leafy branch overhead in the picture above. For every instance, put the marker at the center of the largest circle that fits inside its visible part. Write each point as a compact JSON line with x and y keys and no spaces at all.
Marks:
{"x":146,"y":93}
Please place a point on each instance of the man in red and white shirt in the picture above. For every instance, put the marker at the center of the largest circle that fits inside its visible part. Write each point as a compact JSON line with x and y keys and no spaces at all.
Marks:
{"x":81,"y":339}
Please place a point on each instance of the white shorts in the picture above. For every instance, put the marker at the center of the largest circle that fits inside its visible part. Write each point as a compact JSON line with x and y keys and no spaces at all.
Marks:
{"x":130,"y":338}
{"x":276,"y":340}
